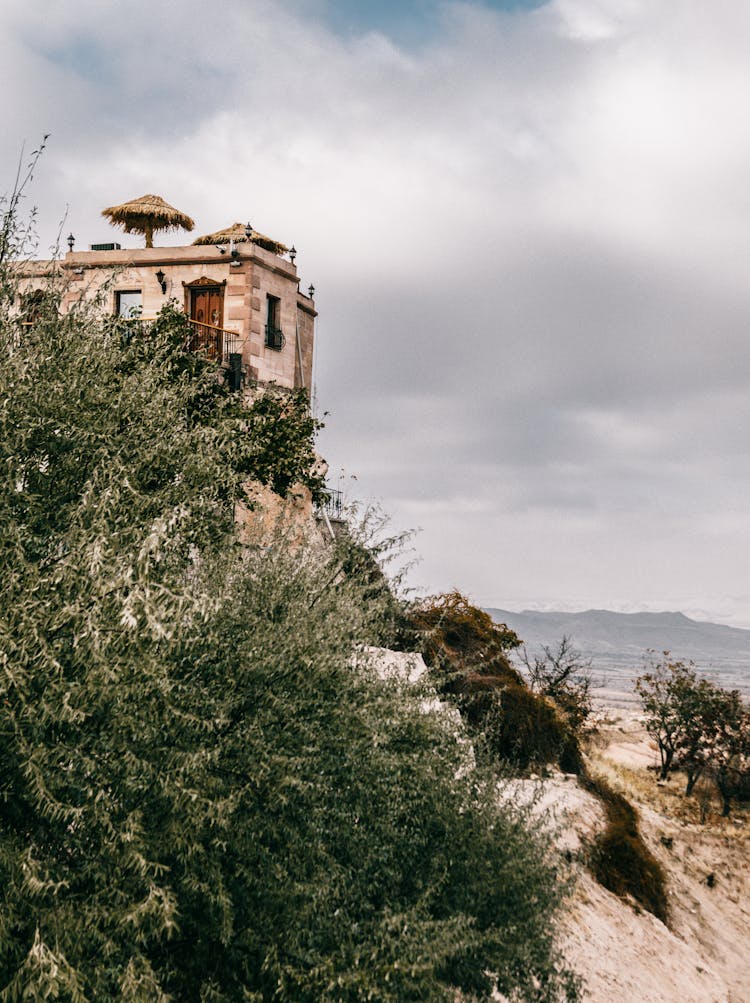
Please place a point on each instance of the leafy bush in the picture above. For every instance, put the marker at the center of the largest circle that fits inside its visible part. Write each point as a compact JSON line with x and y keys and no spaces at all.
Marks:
{"x":620,"y":860}
{"x":203,"y":799}
{"x":270,"y":438}
{"x":467,"y":652}
{"x":365,"y":549}
{"x":516,"y":725}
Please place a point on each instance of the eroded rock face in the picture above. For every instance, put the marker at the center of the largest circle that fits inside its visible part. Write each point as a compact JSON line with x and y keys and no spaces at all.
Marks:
{"x":405,"y":666}
{"x":626,"y":956}
{"x":266,"y":517}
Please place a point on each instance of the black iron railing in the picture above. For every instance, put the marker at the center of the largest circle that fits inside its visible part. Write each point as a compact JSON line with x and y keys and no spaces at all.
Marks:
{"x":274,"y":338}
{"x":222,"y":346}
{"x":214,"y":342}
{"x":334,"y":504}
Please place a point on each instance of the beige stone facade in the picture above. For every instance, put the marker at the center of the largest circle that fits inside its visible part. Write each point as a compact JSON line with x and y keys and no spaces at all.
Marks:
{"x":244,"y":301}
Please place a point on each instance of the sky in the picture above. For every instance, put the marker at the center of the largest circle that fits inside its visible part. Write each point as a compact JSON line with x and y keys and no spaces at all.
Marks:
{"x":528,"y":227}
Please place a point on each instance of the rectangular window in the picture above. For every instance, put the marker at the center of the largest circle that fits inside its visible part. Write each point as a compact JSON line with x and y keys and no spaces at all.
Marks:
{"x":128,"y":303}
{"x":274,"y":336}
{"x":274,"y":312}
{"x":35,"y":305}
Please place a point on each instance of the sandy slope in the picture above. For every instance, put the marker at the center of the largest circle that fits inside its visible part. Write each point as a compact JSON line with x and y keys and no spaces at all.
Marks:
{"x":628,"y":956}
{"x":625,"y":955}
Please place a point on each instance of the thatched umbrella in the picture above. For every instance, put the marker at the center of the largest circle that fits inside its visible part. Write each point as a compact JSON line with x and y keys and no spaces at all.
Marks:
{"x":147,"y":214}
{"x":236,"y":233}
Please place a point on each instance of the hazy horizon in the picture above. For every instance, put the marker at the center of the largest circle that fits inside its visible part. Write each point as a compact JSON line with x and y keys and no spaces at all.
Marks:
{"x":738,"y":618}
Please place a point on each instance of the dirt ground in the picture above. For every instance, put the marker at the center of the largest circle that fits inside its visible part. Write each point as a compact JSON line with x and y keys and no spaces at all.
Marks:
{"x":624,"y":954}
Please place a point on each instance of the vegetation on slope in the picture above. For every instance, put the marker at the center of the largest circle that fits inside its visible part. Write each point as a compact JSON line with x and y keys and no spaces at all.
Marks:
{"x":201,"y":799}
{"x":468,"y":654}
{"x":698,"y":727}
{"x":525,"y":727}
{"x":620,"y":860}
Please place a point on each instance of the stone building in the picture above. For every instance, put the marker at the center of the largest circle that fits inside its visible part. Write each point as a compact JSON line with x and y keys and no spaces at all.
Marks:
{"x":239,"y":289}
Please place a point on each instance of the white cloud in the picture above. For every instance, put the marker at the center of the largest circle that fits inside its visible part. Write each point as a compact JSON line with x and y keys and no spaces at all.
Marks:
{"x":529,"y":238}
{"x":595,"y":20}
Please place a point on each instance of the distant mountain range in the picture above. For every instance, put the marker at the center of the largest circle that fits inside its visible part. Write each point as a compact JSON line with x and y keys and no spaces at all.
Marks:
{"x":616,"y":643}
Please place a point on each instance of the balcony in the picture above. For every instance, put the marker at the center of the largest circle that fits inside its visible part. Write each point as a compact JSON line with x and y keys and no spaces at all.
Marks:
{"x":274,"y":338}
{"x":214,"y":342}
{"x":333,"y":505}
{"x":218,"y":344}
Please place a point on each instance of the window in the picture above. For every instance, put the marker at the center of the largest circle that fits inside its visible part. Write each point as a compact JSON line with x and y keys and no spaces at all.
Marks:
{"x":274,"y":313}
{"x":35,"y":305}
{"x":274,"y":336}
{"x":128,"y":303}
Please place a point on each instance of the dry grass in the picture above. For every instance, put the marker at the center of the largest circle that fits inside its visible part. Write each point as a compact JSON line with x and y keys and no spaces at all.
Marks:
{"x":236,"y":233}
{"x":641,"y":786}
{"x":667,"y":798}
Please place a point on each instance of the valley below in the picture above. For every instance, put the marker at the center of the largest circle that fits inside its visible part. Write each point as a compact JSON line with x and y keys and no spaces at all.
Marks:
{"x":618,"y":646}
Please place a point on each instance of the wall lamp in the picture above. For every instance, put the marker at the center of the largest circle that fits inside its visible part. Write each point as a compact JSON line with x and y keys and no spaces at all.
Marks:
{"x":311,"y":291}
{"x":292,"y":253}
{"x":161,"y":278}
{"x":248,"y":231}
{"x":71,"y":242}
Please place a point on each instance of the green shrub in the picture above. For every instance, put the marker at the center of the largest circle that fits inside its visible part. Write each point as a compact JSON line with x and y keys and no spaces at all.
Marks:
{"x":202,"y":796}
{"x":518,"y":726}
{"x":467,"y":653}
{"x":364,"y":550}
{"x":620,"y":860}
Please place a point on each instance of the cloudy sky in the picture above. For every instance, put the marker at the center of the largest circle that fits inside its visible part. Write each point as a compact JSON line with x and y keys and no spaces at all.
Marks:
{"x":528,"y":224}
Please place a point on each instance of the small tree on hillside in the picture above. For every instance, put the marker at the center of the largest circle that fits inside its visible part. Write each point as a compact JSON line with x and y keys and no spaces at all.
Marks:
{"x":699,"y":727}
{"x":659,"y":691}
{"x":563,"y":675}
{"x":700,"y":706}
{"x":727,"y":747}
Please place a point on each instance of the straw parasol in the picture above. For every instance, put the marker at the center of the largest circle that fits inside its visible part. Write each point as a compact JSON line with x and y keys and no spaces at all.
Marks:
{"x":236,"y":233}
{"x":147,"y":214}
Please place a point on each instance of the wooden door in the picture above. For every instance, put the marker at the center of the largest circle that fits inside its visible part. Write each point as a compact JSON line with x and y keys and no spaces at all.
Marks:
{"x":207,"y":312}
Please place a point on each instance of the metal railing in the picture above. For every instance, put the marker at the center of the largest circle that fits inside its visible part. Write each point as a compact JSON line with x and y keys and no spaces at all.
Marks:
{"x":274,"y":338}
{"x":220,"y":345}
{"x":214,"y":342}
{"x":334,"y":504}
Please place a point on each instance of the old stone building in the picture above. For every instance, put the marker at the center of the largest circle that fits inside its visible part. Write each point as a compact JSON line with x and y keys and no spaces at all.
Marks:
{"x":239,"y":289}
